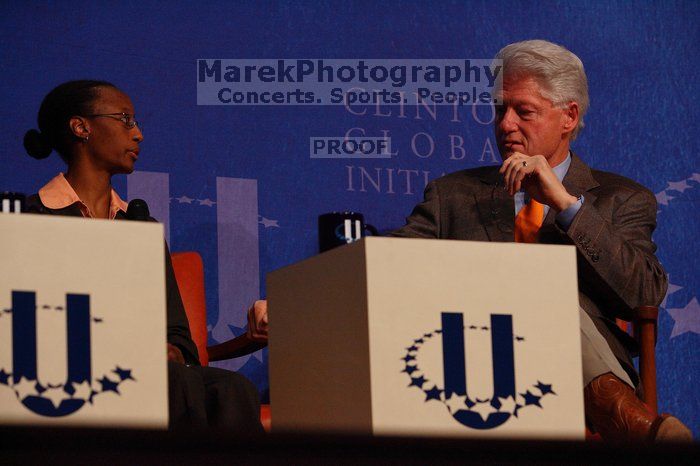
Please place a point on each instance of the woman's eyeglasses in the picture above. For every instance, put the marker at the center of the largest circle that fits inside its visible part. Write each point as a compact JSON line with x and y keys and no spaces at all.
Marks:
{"x":128,"y":120}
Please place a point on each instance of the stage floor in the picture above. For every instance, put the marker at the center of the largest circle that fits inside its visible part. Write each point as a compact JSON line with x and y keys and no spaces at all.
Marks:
{"x":28,"y":446}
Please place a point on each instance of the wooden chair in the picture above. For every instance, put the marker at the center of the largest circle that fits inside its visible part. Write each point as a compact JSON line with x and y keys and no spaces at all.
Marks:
{"x":189,"y":273}
{"x":644,"y":329}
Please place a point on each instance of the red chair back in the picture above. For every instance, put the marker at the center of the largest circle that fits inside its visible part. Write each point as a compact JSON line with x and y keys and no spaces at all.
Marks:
{"x":189,"y":272}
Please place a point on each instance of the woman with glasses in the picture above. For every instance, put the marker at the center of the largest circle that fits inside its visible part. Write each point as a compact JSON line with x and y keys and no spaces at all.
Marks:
{"x":91,"y":125}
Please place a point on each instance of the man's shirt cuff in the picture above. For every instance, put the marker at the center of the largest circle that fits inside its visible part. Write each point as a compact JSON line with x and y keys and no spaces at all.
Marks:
{"x":566,"y":216}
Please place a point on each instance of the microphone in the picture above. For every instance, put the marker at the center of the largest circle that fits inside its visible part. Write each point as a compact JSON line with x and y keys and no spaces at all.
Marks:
{"x":138,"y":210}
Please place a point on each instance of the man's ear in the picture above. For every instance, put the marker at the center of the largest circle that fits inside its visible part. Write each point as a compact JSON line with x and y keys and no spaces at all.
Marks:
{"x":570,"y":117}
{"x":80,"y":127}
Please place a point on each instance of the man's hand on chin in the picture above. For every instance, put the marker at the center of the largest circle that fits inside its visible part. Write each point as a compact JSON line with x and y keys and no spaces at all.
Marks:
{"x":534,"y":175}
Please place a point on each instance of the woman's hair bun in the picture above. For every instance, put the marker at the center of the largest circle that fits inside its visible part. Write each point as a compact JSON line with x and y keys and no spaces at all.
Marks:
{"x":36,"y":144}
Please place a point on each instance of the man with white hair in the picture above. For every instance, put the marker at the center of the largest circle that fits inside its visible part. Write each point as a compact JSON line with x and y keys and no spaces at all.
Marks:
{"x":544,"y":193}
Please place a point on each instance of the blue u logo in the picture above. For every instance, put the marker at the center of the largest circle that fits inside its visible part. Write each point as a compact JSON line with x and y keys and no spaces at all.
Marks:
{"x":24,"y":350}
{"x":504,"y":404}
{"x":454,"y":364}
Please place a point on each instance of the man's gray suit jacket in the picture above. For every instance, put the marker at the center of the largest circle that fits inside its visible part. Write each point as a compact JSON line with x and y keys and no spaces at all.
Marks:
{"x":617,"y":268}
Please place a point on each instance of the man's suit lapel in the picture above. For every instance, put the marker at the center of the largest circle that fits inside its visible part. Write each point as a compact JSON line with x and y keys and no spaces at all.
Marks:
{"x":579,"y":179}
{"x":496,"y":208}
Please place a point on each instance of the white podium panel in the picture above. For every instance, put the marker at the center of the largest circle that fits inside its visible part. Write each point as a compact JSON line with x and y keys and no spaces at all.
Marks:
{"x":82,"y":322}
{"x":422,"y":337}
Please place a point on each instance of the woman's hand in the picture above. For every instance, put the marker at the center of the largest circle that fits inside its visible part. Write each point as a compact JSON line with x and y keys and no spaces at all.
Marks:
{"x":257,"y":321}
{"x":174,"y":354}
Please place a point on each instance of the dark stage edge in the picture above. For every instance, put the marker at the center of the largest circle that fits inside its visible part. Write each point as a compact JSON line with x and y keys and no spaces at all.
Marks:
{"x":28,"y":446}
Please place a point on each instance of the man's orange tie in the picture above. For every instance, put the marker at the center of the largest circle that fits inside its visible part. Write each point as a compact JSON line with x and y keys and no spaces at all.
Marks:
{"x":528,"y":222}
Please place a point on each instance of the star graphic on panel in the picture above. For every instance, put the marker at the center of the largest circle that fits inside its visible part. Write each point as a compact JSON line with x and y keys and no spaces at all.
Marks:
{"x":184,"y":200}
{"x":68,"y":388}
{"x":418,"y":382}
{"x":679,"y":186}
{"x":41,"y":389}
{"x":25,"y":388}
{"x":109,"y":386}
{"x":409,"y":357}
{"x":4,"y":377}
{"x":531,"y":399}
{"x":206,"y":202}
{"x":484,"y":409}
{"x":544,"y":388}
{"x":456,"y":402}
{"x":671,"y":289}
{"x":410,"y":369}
{"x":268,"y":223}
{"x":507,"y":404}
{"x":663,"y":198}
{"x":687,"y":319}
{"x":56,"y":395}
{"x":433,"y":394}
{"x":123,"y":373}
{"x":516,"y":409}
{"x":82,"y":390}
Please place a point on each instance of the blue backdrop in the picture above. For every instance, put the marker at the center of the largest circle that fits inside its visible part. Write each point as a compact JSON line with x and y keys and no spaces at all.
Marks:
{"x":237,"y":183}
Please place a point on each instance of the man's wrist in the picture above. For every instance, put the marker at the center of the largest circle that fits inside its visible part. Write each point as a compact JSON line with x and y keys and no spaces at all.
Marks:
{"x":567,"y":201}
{"x":566,"y":216}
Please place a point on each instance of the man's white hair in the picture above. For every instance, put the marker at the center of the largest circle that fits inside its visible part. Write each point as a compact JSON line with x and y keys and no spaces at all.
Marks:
{"x":558,"y":71}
